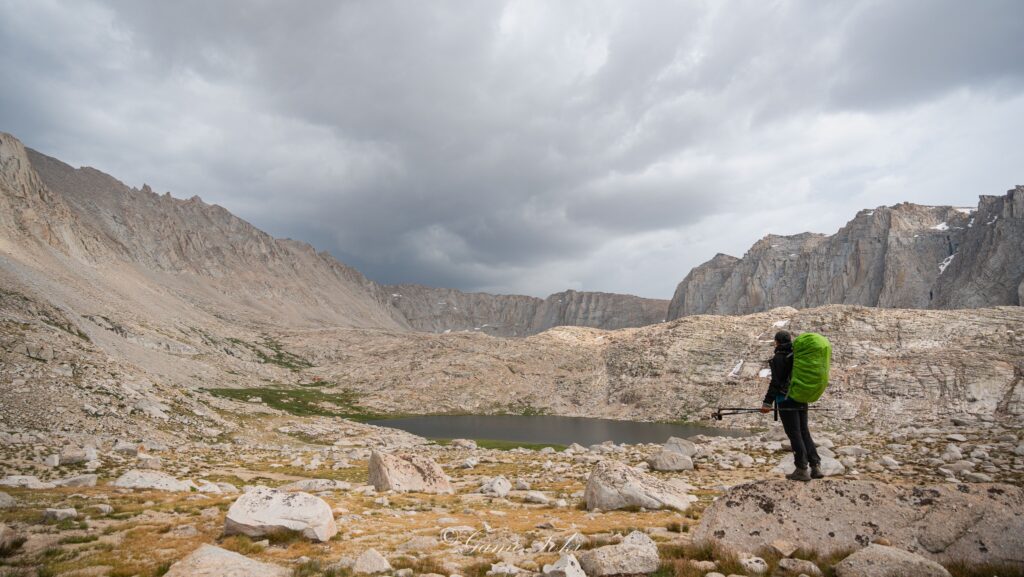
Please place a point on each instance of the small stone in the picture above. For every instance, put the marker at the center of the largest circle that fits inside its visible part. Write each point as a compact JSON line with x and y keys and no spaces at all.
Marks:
{"x":371,"y":562}
{"x":755,"y":565}
{"x":566,"y":566}
{"x":60,"y":514}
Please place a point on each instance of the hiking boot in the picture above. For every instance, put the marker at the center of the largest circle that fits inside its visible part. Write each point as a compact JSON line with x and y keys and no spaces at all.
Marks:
{"x":816,"y":472}
{"x":799,"y":474}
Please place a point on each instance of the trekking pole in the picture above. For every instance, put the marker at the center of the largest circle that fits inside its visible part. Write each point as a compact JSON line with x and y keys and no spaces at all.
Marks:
{"x":730,"y":411}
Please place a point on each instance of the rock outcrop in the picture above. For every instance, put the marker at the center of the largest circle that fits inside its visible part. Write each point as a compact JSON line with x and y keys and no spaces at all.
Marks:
{"x":988,"y":267}
{"x":401,"y":473}
{"x":211,"y":561}
{"x":904,"y":256}
{"x":614,"y":485}
{"x":265,"y":511}
{"x":970,"y":523}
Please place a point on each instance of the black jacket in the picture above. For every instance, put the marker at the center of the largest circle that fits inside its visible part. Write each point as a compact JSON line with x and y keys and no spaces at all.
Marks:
{"x":782,"y":368}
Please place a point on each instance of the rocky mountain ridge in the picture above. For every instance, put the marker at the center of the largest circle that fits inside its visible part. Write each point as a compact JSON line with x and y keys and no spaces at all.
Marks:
{"x":439,"y":310}
{"x":204,"y":254}
{"x":903,"y":256}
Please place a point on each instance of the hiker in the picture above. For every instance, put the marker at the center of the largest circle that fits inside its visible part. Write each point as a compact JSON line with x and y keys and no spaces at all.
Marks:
{"x":792,"y":413}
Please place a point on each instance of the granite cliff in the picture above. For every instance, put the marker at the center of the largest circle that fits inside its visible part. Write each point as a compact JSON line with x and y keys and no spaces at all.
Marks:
{"x":441,"y":310}
{"x":904,"y":256}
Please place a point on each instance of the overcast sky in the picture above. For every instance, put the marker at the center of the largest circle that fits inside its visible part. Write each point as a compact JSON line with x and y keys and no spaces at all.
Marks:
{"x":527,"y":147}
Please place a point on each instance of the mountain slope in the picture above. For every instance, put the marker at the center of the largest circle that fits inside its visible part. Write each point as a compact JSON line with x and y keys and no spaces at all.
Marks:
{"x":904,"y":256}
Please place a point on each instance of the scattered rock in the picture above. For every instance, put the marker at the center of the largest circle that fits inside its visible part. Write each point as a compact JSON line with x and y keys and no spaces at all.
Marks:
{"x":370,"y":562}
{"x":882,"y":561}
{"x":136,"y":479}
{"x":566,"y":566}
{"x":498,"y":486}
{"x":316,"y":485}
{"x":265,"y":511}
{"x":25,"y":481}
{"x":78,"y":481}
{"x":795,"y":568}
{"x":614,"y":485}
{"x":211,"y":561}
{"x":670,"y":461}
{"x":755,"y":565}
{"x":637,"y":553}
{"x":416,"y":473}
{"x":783,"y":547}
{"x":680,"y":446}
{"x":60,"y":514}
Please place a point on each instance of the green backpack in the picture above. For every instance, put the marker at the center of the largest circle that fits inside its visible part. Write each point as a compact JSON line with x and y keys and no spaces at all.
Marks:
{"x":812,"y":355}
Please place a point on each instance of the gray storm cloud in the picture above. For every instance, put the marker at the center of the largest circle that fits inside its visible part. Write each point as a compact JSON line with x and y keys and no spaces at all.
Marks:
{"x":527,"y":146}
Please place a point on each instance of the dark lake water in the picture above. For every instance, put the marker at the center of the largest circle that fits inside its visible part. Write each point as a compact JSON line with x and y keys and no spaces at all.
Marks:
{"x":547,"y":429}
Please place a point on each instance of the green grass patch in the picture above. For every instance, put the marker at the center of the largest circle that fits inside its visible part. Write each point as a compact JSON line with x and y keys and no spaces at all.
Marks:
{"x":77,"y":539}
{"x":304,"y":401}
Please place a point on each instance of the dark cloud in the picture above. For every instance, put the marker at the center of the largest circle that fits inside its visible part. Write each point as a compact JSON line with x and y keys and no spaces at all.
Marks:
{"x":526,"y":146}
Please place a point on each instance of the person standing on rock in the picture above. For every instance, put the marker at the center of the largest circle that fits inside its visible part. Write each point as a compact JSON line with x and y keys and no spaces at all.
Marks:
{"x":792,"y":413}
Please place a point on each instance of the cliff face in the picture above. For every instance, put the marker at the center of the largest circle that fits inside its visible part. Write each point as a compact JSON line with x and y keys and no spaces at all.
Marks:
{"x":440,"y":310}
{"x":893,"y":257}
{"x":988,"y":268}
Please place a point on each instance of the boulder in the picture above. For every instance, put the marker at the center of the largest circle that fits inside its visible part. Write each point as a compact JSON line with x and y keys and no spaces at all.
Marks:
{"x":60,"y":514}
{"x":464,"y":443}
{"x":126,"y":448}
{"x":566,"y":566}
{"x":73,"y":456}
{"x":415,"y":473}
{"x":211,"y":561}
{"x":670,"y":461}
{"x":136,"y":479}
{"x":796,"y":567}
{"x":614,"y":485}
{"x":78,"y":481}
{"x":316,"y":485}
{"x":637,"y":553}
{"x":882,"y":561}
{"x":370,"y":562}
{"x":498,"y":486}
{"x":829,"y":466}
{"x":25,"y":481}
{"x":264,"y":511}
{"x":975,"y":523}
{"x":7,"y":501}
{"x":681,"y":446}
{"x":149,"y":462}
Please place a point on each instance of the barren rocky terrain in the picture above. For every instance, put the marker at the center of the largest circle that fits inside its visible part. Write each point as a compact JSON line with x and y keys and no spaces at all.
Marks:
{"x":183,"y":394}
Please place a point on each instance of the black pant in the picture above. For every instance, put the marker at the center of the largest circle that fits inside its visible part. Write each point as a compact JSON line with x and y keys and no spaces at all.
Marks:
{"x":795,"y":424}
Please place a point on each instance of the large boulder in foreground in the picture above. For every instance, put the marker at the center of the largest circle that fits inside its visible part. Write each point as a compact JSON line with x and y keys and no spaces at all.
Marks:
{"x":415,"y":473}
{"x":210,"y":561}
{"x":615,"y":485}
{"x":136,"y":479}
{"x":976,"y":523}
{"x":265,"y":511}
{"x":637,"y":553}
{"x":882,"y":561}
